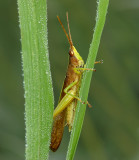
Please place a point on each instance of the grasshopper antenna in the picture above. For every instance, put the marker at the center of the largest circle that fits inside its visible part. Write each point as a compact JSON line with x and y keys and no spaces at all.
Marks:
{"x":69,"y":38}
{"x":69,"y":27}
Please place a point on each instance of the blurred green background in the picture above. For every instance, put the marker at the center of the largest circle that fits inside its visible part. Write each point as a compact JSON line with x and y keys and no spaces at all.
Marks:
{"x":111,"y":127}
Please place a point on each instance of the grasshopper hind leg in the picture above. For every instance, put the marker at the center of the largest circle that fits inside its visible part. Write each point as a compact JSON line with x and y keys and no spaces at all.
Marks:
{"x":66,"y":91}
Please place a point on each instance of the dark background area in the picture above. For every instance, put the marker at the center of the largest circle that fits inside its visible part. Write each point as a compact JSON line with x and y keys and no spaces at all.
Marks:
{"x":111,"y":127}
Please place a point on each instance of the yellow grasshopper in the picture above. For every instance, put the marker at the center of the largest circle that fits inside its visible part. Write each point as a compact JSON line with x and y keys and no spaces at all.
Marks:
{"x":65,"y":111}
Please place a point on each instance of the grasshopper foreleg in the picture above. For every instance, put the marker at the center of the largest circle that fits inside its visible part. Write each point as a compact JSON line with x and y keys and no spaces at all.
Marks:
{"x":87,"y":69}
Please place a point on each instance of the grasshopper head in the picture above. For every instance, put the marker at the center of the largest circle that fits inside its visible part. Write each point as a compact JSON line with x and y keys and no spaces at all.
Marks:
{"x":75,"y":57}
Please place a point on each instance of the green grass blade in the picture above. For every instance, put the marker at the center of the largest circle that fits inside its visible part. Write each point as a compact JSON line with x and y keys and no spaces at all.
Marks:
{"x":37,"y":78}
{"x":80,"y":111}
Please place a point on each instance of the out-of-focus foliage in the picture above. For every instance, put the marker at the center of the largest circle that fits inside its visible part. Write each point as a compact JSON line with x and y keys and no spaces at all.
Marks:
{"x":111,"y":127}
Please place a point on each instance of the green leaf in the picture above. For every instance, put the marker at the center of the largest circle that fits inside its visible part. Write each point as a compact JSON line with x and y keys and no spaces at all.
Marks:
{"x":80,"y":110}
{"x":37,"y":78}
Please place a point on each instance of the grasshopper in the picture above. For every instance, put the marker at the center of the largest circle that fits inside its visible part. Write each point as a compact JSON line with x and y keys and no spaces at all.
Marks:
{"x":65,"y":110}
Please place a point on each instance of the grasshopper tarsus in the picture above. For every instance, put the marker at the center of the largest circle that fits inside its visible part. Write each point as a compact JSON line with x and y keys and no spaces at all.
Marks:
{"x":101,"y":61}
{"x":89,"y":105}
{"x":83,"y":102}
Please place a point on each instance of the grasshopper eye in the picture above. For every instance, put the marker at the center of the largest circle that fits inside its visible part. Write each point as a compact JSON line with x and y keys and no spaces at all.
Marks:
{"x":82,"y":66}
{"x":71,"y":53}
